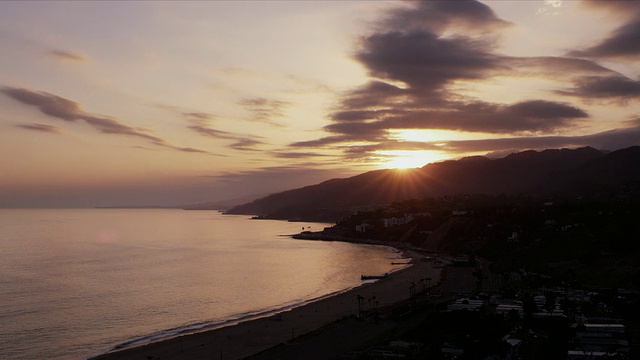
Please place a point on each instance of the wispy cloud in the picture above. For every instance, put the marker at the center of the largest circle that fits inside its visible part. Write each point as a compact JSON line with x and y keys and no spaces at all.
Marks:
{"x":68,"y":110}
{"x":263,"y":109}
{"x":297,"y":155}
{"x":67,"y":56}
{"x":246,"y":144}
{"x":40,"y":128}
{"x":202,"y":128}
{"x":192,"y":150}
{"x":200,"y":122}
{"x":200,"y":116}
{"x":240,"y":142}
{"x":71,"y":111}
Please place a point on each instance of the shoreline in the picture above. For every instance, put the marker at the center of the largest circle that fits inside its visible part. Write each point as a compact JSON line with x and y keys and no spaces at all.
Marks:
{"x":253,"y":336}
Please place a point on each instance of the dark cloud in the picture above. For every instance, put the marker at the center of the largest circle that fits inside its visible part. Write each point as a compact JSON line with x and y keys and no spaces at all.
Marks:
{"x":373,"y":94}
{"x":422,"y":54}
{"x":416,"y":67}
{"x":525,"y":116}
{"x":624,"y":42}
{"x":71,"y":111}
{"x":605,"y":87}
{"x":440,"y":15}
{"x":425,"y":61}
{"x":66,"y":56}
{"x":531,"y":115}
{"x":40,"y":127}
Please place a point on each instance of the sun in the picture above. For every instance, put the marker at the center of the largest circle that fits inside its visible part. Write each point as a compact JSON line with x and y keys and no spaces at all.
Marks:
{"x":406,"y":159}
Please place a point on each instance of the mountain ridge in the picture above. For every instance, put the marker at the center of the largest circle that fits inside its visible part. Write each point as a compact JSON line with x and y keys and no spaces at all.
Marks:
{"x":551,"y":171}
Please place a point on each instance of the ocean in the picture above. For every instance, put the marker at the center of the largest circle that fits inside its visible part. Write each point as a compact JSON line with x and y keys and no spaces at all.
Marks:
{"x":77,"y":283}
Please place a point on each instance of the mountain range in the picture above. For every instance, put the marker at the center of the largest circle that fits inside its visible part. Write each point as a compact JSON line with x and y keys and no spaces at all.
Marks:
{"x":571,"y":172}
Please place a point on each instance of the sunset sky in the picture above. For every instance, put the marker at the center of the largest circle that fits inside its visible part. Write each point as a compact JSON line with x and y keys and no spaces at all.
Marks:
{"x":177,"y":102}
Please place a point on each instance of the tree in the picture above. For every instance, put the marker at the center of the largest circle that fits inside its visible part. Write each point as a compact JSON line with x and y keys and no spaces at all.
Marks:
{"x":549,"y":302}
{"x":528,"y":306}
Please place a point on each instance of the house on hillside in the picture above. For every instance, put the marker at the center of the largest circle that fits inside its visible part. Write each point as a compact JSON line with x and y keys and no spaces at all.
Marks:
{"x":363,"y":228}
{"x":397,"y":221}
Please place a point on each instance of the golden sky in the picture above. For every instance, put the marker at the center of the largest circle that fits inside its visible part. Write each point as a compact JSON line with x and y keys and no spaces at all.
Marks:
{"x":164,"y":103}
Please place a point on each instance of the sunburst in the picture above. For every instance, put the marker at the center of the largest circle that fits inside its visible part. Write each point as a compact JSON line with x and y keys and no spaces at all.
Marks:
{"x":406,"y":159}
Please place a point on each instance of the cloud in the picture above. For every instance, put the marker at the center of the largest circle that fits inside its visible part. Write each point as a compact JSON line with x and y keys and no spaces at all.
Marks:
{"x":317,"y":143}
{"x":442,"y":15}
{"x":67,"y":56}
{"x":199,"y":115}
{"x":296,"y":155}
{"x":421,"y":58}
{"x":416,"y":68}
{"x":245,"y":144}
{"x":530,"y":115}
{"x":192,"y":150}
{"x":40,"y":127}
{"x":264,"y":109}
{"x":607,"y":140}
{"x":525,"y":116}
{"x":200,"y":122}
{"x":424,"y":62}
{"x":203,"y":129}
{"x":604,"y":87}
{"x":374,"y":94}
{"x":554,"y":67}
{"x":624,"y":42}
{"x":65,"y":109}
{"x":634,"y":122}
{"x":71,"y":111}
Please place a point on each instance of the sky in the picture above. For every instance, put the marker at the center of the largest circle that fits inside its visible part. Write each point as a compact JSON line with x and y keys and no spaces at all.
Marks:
{"x":168,"y":103}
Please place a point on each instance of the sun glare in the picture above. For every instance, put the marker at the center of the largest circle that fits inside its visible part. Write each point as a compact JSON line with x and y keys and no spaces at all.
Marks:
{"x":405,"y":159}
{"x":422,"y":135}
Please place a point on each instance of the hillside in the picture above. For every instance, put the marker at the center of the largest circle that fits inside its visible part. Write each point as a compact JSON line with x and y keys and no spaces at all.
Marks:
{"x":568,"y":172}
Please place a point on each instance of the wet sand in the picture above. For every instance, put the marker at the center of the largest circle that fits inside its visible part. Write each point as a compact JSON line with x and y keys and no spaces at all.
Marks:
{"x":252,"y":337}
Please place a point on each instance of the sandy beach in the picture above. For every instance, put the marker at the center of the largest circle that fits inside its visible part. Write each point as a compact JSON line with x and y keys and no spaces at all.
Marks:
{"x":255,"y":336}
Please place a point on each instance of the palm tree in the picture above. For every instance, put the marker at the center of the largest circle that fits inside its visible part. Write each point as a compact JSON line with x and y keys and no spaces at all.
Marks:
{"x":360,"y":299}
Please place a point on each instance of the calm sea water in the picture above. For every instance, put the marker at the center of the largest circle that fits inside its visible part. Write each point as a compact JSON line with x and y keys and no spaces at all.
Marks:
{"x":76,"y":283}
